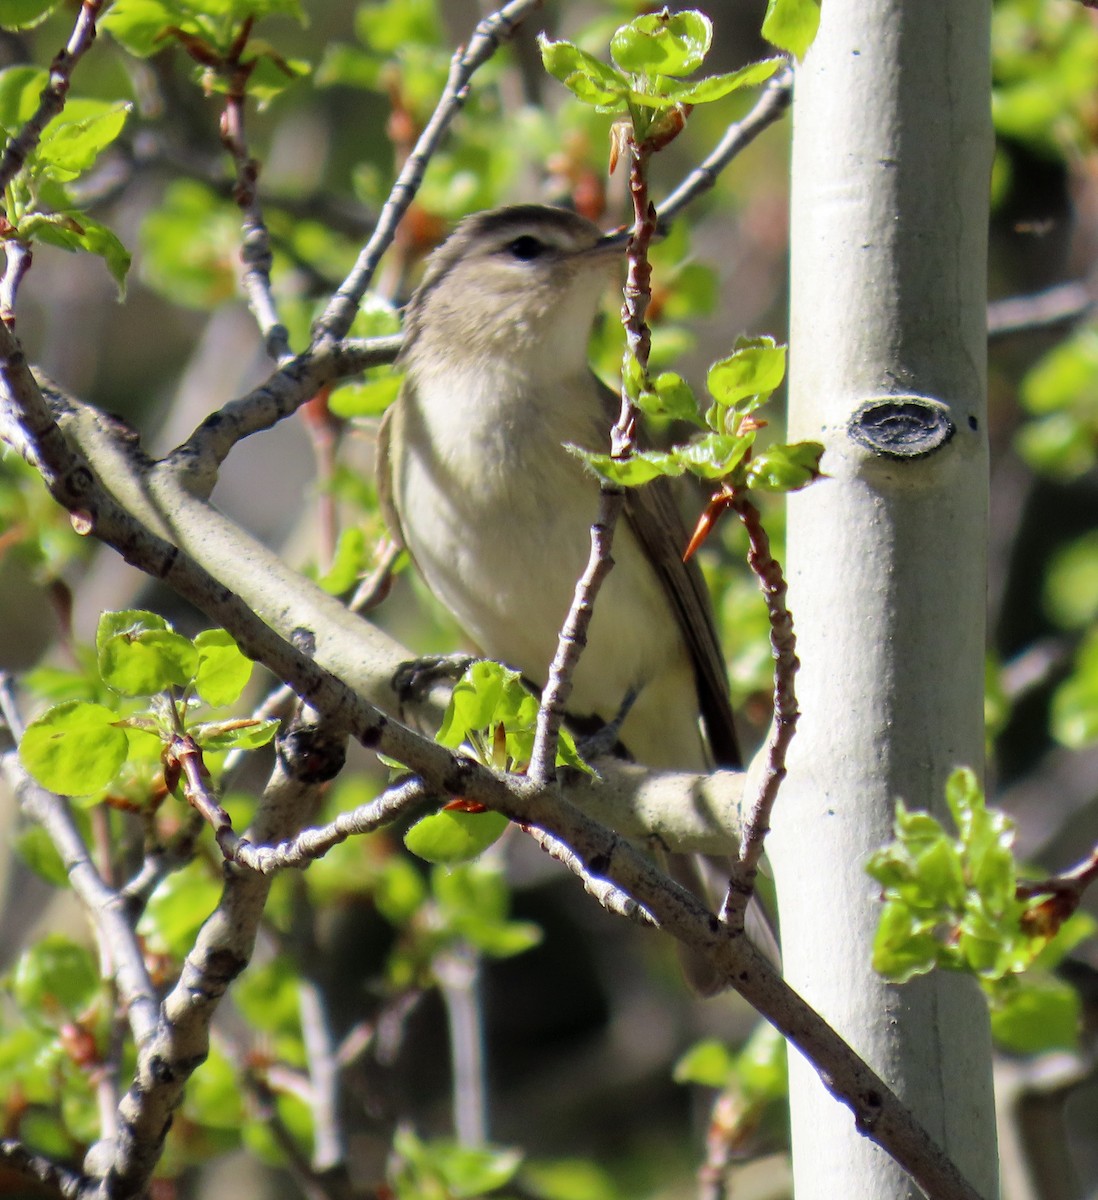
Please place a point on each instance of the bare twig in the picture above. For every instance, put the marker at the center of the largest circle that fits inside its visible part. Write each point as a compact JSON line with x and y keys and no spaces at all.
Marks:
{"x":311,"y":844}
{"x":612,"y":898}
{"x":35,"y":1167}
{"x":458,"y":975}
{"x":573,"y":634}
{"x":783,"y":645}
{"x":770,"y":107}
{"x":279,"y":397}
{"x":255,"y":252}
{"x":17,"y":261}
{"x":488,"y":36}
{"x":1060,"y":305}
{"x":183,"y":756}
{"x":52,"y":100}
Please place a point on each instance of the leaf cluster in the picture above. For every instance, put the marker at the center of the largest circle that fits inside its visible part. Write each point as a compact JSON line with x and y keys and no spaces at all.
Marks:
{"x":651,"y":55}
{"x":952,"y":902}
{"x":38,"y":206}
{"x":80,"y":747}
{"x":491,"y":716}
{"x":739,"y":386}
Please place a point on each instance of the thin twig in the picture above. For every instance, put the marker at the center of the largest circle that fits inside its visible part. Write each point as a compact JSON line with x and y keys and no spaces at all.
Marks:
{"x":35,"y":1167}
{"x":311,"y":844}
{"x":52,"y":100}
{"x":106,"y":908}
{"x":458,"y":974}
{"x":770,"y":107}
{"x":17,"y":260}
{"x":255,"y":250}
{"x":488,"y":36}
{"x":612,"y":898}
{"x":573,"y":634}
{"x":279,"y":397}
{"x":1063,"y":304}
{"x":783,"y":647}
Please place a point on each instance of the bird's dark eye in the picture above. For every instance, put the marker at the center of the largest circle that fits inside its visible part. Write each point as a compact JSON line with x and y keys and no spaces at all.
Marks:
{"x":526,"y":248}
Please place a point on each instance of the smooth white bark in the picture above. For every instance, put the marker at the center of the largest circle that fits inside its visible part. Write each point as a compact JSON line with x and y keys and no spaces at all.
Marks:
{"x":886,"y":556}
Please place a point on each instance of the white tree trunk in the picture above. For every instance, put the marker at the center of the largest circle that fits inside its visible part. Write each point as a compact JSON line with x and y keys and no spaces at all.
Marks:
{"x":886,"y":556}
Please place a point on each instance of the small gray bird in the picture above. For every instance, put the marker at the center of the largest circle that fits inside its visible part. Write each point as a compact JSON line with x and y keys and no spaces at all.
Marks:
{"x":477,"y":485}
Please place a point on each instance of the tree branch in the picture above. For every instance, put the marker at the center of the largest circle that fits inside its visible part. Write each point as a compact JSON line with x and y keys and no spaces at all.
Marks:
{"x":487,"y":38}
{"x":770,"y":107}
{"x":52,"y":100}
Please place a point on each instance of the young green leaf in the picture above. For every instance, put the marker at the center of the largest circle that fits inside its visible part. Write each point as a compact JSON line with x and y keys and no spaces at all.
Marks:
{"x":791,"y":24}
{"x":751,"y":372}
{"x":216,"y":736}
{"x":75,"y":231}
{"x":785,"y":468}
{"x":223,"y":671}
{"x":663,"y":43}
{"x":75,"y":138}
{"x":20,"y":89}
{"x":454,"y":837}
{"x":716,"y":87}
{"x":74,"y":748}
{"x":638,"y":469}
{"x":140,"y":655}
{"x":589,"y":80}
{"x":24,"y":14}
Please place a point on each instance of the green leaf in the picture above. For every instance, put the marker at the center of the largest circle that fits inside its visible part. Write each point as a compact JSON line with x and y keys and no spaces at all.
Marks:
{"x":753,"y":370}
{"x":191,"y":244}
{"x":638,"y":469}
{"x":762,"y":1066}
{"x":785,"y":468}
{"x":903,"y":947}
{"x":24,"y":14}
{"x":454,"y":837}
{"x":141,"y":25}
{"x":663,"y":43}
{"x":589,"y":80}
{"x":715,"y":87}
{"x":223,"y":671}
{"x":55,"y":977}
{"x":1037,"y":1016}
{"x":791,"y":24}
{"x":75,"y":231}
{"x":74,"y":748}
{"x":20,"y":89}
{"x":75,"y":138}
{"x":444,"y":1168}
{"x":140,"y":655}
{"x":672,"y":397}
{"x":216,"y":736}
{"x":567,"y":1179}
{"x":707,"y":1063}
{"x":714,"y":455}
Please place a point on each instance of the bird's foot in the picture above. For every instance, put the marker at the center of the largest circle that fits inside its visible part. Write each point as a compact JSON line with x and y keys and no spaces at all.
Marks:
{"x":413,"y":680}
